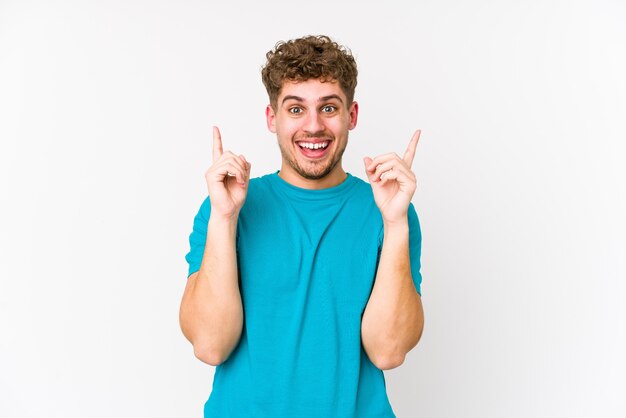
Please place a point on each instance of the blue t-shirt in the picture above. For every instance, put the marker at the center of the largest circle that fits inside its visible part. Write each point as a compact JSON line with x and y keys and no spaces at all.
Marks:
{"x":307,"y":262}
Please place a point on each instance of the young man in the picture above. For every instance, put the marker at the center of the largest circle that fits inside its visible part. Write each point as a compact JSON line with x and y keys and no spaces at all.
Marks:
{"x":304,"y":284}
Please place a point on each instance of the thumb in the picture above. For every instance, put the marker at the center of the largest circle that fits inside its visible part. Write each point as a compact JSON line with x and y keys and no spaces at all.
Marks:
{"x":367,"y":161}
{"x":247,"y":165}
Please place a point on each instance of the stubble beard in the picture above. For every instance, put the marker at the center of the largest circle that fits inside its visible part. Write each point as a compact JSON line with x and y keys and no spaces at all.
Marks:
{"x":318,"y":170}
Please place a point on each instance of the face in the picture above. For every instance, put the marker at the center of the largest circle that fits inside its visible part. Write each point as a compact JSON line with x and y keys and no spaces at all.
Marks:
{"x":311,"y":121}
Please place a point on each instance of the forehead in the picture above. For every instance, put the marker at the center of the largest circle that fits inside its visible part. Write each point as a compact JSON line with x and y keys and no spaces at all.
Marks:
{"x":312,"y":90}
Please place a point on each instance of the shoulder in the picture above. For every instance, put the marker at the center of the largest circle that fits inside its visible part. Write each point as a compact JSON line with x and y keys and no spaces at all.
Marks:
{"x":362,"y":190}
{"x":261,"y":194}
{"x":259,"y":186}
{"x":205,"y":209}
{"x":261,"y":181}
{"x":360,"y":200}
{"x":360,"y":183}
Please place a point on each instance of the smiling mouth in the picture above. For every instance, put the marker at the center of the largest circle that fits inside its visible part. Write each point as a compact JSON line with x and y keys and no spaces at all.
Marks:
{"x":314,"y":150}
{"x":313,"y":145}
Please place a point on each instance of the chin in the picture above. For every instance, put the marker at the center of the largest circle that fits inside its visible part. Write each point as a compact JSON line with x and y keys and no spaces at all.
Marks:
{"x":316,"y":174}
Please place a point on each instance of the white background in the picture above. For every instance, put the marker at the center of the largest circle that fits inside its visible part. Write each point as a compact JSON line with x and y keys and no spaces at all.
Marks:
{"x":105,"y":115}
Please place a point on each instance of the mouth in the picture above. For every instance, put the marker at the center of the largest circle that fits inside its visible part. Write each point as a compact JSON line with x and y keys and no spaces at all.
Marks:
{"x":314,"y":149}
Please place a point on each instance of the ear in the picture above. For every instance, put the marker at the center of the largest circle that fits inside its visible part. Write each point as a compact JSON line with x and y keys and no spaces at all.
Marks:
{"x":354,"y":115}
{"x":270,"y":117}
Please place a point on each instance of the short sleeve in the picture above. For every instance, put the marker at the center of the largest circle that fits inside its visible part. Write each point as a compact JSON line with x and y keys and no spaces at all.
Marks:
{"x":197,"y":238}
{"x":415,"y":247}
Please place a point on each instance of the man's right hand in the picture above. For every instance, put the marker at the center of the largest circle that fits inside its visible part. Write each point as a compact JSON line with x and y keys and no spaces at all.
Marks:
{"x":227,"y":180}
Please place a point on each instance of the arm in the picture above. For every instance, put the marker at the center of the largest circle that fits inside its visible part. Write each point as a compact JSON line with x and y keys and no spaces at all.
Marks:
{"x":393,"y":320}
{"x":211,"y":311}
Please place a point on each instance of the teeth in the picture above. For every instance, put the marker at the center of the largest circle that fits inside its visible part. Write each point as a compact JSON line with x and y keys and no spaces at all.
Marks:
{"x":311,"y":145}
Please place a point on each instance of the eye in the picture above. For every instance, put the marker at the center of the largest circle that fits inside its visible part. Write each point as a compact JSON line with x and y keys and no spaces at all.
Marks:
{"x":328,"y":108}
{"x":295,"y":110}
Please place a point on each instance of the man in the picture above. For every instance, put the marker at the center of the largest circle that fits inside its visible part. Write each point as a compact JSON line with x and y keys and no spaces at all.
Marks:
{"x":304,"y":284}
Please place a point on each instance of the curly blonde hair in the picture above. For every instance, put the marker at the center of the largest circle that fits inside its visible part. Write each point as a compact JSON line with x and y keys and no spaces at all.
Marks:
{"x":309,"y":57}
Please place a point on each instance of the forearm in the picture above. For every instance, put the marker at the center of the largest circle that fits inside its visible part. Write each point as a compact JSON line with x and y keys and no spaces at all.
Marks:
{"x":393,"y":319}
{"x":211,"y":312}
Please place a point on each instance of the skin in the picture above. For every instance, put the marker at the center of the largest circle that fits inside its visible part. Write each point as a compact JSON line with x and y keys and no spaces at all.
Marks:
{"x":393,"y":319}
{"x":312,"y":111}
{"x":211,"y":314}
{"x":211,"y":311}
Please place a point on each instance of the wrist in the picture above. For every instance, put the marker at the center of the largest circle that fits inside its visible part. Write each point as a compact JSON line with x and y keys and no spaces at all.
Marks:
{"x":399,"y":224}
{"x":226,"y":222}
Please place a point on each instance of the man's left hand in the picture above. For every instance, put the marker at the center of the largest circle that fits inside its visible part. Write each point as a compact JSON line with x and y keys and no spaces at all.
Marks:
{"x":393,"y":182}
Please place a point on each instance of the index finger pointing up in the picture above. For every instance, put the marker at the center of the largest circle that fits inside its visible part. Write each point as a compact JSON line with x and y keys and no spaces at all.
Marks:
{"x":410,"y":150}
{"x":217,"y":144}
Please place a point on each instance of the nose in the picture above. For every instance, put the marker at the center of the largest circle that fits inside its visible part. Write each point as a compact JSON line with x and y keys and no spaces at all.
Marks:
{"x":313,"y":123}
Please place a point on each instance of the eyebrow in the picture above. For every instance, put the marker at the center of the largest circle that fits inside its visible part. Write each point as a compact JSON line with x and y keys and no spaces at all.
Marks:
{"x":321,"y":99}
